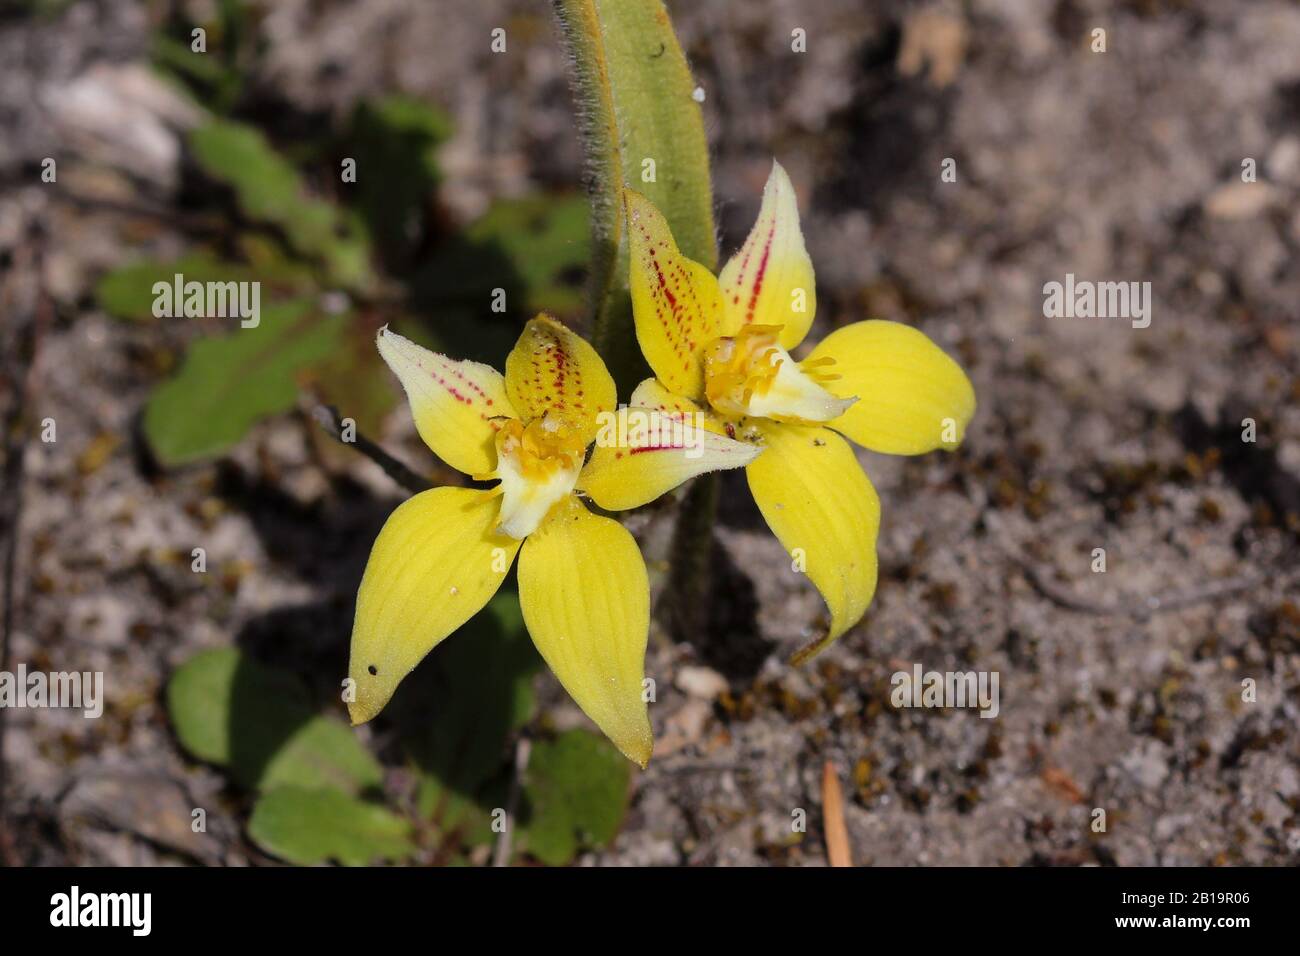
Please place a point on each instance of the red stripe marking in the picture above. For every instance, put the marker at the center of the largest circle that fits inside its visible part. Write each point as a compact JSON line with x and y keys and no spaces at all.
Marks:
{"x":762,"y":270}
{"x":643,"y":448}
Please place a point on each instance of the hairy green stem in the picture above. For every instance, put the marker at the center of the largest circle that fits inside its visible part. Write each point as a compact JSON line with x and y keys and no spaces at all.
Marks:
{"x":690,"y":575}
{"x":641,"y":127}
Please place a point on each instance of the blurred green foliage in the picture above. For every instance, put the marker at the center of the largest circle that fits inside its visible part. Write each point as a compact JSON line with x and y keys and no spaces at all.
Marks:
{"x":474,"y":695}
{"x":215,"y":77}
{"x":127,"y":293}
{"x":366,"y":261}
{"x":228,"y":383}
{"x":315,"y":826}
{"x":318,"y":792}
{"x":576,"y":790}
{"x":259,"y":724}
{"x":270,"y":192}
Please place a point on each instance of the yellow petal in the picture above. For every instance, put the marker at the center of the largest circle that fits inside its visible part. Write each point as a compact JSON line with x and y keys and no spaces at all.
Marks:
{"x":818,"y":502}
{"x":457,"y":405}
{"x":675,"y":301}
{"x":555,"y":372}
{"x":912,"y":398}
{"x":652,"y":394}
{"x":769,"y":281}
{"x":642,"y":453}
{"x":586,"y":601}
{"x":434,"y":565}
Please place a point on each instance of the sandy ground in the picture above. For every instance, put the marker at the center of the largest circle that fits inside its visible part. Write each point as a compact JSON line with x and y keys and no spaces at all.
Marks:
{"x":1120,"y":691}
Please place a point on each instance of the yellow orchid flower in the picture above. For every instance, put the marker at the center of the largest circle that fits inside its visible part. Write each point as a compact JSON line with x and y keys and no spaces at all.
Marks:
{"x":582,"y":582}
{"x":720,"y":346}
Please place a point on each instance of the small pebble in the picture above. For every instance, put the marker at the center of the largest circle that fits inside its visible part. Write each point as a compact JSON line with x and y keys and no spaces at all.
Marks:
{"x":702,"y":682}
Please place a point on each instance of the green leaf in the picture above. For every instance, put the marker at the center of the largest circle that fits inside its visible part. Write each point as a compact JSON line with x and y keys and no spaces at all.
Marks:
{"x":269,"y":190}
{"x":577,"y":789}
{"x":227,"y":384}
{"x":127,"y":292}
{"x":635,"y":103}
{"x":476,"y":691}
{"x":219,"y":73}
{"x":259,"y":723}
{"x":307,"y":827}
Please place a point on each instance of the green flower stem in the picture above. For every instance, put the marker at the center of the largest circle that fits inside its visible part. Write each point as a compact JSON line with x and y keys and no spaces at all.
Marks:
{"x":641,"y":126}
{"x":690,"y":572}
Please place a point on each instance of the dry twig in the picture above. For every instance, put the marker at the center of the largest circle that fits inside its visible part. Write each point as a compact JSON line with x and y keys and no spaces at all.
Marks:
{"x":327,"y":416}
{"x":837,"y":832}
{"x":501,"y":852}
